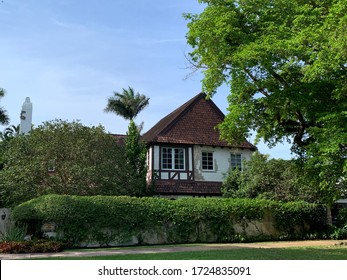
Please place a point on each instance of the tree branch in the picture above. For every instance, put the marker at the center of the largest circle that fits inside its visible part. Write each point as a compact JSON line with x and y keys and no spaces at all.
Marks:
{"x":256,"y":82}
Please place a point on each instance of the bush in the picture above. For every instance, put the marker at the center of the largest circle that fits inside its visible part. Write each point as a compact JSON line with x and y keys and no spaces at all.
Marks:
{"x":89,"y":162}
{"x":342,"y":217}
{"x":41,"y":246}
{"x":340,"y":233}
{"x":13,"y":233}
{"x":109,"y":219}
{"x":295,"y":218}
{"x":274,"y":179}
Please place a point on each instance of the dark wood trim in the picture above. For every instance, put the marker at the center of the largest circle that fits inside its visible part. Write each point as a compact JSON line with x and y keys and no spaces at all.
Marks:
{"x":173,"y":174}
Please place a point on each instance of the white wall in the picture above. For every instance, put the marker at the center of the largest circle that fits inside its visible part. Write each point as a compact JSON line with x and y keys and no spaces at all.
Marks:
{"x":221,"y":157}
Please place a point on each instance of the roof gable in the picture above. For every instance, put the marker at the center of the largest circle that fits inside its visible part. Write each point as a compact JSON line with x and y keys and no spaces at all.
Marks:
{"x":192,"y":123}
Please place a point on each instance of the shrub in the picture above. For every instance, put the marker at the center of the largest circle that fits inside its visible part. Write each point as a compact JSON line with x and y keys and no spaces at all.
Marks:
{"x":13,"y":233}
{"x":41,"y":246}
{"x":109,"y":219}
{"x":266,"y":178}
{"x":342,"y":217}
{"x":90,"y":162}
{"x":340,"y":233}
{"x":294,"y":218}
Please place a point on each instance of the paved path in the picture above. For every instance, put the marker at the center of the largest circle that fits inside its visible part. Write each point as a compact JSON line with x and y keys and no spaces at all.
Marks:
{"x":164,"y":249}
{"x":149,"y":250}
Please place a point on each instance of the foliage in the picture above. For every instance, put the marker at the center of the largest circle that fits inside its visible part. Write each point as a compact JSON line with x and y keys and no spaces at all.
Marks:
{"x":109,"y":219}
{"x":10,"y":132}
{"x":286,"y":72}
{"x":276,"y":179}
{"x":63,"y":158}
{"x":340,"y":233}
{"x":127,"y":104}
{"x":135,"y":154}
{"x":291,"y":218}
{"x":41,"y":246}
{"x":5,"y":137}
{"x":341,"y":217}
{"x":4,"y":119}
{"x":13,"y":233}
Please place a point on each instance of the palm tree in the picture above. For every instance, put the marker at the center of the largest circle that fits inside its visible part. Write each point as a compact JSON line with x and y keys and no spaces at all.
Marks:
{"x":127,"y":104}
{"x":9,"y":132}
{"x":4,"y":119}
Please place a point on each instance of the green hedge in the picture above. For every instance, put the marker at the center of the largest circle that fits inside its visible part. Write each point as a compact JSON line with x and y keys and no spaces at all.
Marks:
{"x":106,"y":218}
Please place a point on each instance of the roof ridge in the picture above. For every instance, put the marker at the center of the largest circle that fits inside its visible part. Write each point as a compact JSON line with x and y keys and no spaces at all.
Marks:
{"x":194,"y":122}
{"x":182,"y":109}
{"x":174,"y":115}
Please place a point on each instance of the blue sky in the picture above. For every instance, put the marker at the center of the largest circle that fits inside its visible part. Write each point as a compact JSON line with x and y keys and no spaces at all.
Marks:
{"x":68,"y":56}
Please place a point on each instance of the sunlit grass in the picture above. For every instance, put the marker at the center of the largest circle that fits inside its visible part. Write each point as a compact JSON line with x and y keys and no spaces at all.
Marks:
{"x":302,"y":253}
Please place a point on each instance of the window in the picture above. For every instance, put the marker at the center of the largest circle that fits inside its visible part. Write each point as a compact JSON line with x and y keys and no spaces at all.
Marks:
{"x":207,"y":161}
{"x":173,"y":158}
{"x":236,"y":161}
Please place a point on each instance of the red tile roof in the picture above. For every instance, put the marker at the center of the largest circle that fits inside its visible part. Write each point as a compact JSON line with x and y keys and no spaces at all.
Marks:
{"x":120,"y":138}
{"x":192,"y":123}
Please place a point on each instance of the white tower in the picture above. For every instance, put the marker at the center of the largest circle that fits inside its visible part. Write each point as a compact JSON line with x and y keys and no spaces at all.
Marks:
{"x":26,"y":116}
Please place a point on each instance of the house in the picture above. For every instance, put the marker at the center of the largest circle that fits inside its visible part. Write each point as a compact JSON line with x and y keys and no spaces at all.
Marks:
{"x":186,"y":156}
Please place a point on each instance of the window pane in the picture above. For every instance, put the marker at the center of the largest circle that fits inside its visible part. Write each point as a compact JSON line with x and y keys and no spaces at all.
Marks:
{"x":207,"y":160}
{"x":179,"y":159}
{"x":172,"y":158}
{"x":236,"y":161}
{"x":167,"y":158}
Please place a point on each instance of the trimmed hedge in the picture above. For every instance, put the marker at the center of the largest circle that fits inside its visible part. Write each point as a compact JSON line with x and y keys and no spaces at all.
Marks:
{"x":108,"y":219}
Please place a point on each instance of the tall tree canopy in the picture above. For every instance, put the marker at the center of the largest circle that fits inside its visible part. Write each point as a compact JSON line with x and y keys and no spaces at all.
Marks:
{"x":64,"y":158}
{"x":127,"y":104}
{"x":286,"y":65}
{"x":4,"y":119}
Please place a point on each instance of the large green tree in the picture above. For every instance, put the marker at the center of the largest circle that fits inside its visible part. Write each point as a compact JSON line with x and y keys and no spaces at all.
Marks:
{"x":64,"y":158}
{"x":286,"y":65}
{"x":275,"y":179}
{"x":127,"y":104}
{"x":4,"y":119}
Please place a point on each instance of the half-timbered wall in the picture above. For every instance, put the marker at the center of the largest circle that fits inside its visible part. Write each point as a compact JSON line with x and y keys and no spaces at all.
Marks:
{"x":197,"y":167}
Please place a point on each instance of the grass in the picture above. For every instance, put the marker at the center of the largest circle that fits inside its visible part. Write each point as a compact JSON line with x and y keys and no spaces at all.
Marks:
{"x":298,"y":253}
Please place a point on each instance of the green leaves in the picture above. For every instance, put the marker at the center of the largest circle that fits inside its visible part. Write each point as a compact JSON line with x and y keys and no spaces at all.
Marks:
{"x":275,"y":179}
{"x":63,"y":158}
{"x":285,"y":64}
{"x":107,"y":219}
{"x":135,"y":154}
{"x":4,"y":119}
{"x":127,"y":104}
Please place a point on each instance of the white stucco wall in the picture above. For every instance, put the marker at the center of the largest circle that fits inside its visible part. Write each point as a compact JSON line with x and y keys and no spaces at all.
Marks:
{"x":221,"y":157}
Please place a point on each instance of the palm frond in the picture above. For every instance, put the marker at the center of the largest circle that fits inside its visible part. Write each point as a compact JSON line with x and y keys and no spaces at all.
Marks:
{"x":127,"y":104}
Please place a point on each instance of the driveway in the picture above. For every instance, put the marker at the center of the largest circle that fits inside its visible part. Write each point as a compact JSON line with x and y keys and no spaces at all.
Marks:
{"x":149,"y":250}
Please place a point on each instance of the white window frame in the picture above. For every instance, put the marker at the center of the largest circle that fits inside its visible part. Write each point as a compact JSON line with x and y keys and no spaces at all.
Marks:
{"x":208,"y":161}
{"x":172,"y":160}
{"x":236,"y":161}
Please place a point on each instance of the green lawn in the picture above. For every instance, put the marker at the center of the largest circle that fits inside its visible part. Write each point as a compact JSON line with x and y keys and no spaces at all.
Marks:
{"x":302,"y":253}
